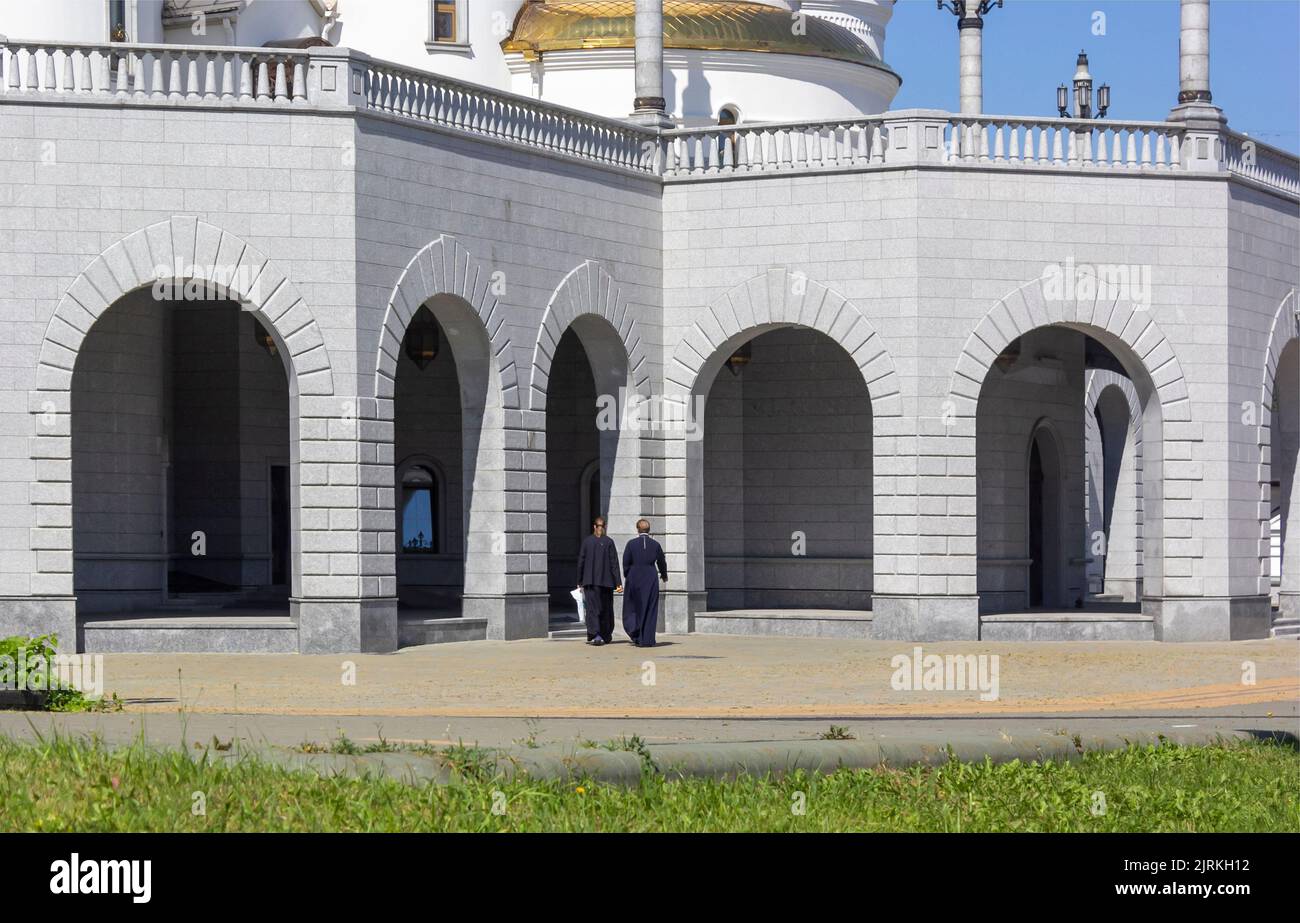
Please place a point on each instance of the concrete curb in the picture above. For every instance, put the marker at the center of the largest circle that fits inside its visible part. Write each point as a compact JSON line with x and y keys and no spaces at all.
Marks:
{"x":727,"y":760}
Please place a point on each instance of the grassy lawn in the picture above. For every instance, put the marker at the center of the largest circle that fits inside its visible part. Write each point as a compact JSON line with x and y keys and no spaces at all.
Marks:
{"x":65,"y":785}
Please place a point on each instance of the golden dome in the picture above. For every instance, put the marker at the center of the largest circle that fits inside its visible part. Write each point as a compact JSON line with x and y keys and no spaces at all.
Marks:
{"x":693,"y":24}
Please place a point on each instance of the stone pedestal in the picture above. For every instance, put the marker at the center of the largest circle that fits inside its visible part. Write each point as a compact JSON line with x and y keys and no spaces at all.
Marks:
{"x":678,"y":608}
{"x":1232,"y":618}
{"x":41,"y":615}
{"x":925,"y":618}
{"x":511,"y":617}
{"x":345,"y":626}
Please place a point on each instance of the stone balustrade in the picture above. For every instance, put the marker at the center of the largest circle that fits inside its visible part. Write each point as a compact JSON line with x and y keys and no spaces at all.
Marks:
{"x":772,"y":148}
{"x":188,"y":73}
{"x":1088,"y":144}
{"x":1260,"y":163}
{"x":478,"y":110}
{"x":340,"y":78}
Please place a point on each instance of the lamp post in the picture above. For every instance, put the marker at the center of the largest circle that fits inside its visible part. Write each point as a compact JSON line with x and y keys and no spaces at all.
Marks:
{"x":1082,"y":94}
{"x":970,"y":31}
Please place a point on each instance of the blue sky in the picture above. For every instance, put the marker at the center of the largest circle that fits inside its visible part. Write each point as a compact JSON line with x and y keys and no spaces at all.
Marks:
{"x":1030,"y":47}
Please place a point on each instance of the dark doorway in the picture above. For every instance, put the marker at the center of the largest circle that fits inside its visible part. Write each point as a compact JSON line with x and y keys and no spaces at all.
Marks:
{"x":280,"y":527}
{"x":1036,"y":551}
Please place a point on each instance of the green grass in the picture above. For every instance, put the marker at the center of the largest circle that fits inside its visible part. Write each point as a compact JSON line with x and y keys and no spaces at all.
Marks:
{"x":64,"y":785}
{"x":34,"y":656}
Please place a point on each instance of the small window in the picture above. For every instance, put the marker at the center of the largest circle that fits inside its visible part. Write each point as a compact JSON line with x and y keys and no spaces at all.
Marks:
{"x":444,"y":21}
{"x":117,"y":21}
{"x":419,"y":511}
{"x":728,"y":115}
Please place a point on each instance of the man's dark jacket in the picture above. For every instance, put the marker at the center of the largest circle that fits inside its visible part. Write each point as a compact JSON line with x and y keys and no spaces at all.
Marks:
{"x":598,"y":562}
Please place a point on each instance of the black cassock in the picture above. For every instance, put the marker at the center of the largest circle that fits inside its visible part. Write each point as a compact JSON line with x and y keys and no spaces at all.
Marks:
{"x":643,"y":565}
{"x":598,"y":575}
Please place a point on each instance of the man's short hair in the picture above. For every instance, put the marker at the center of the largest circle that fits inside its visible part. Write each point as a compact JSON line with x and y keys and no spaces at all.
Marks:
{"x":643,"y":525}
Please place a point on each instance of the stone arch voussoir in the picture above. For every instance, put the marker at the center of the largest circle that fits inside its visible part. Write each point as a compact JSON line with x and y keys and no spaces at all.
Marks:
{"x":1027,"y":308}
{"x":445,"y":267}
{"x":180,"y":249}
{"x":782,"y":298}
{"x":587,"y":289}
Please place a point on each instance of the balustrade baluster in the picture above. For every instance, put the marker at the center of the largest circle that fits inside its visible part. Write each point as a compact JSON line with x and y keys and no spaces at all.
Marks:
{"x":87,"y":72}
{"x":1146,"y":148}
{"x":299,"y":79}
{"x":174,"y":76}
{"x":47,"y":83}
{"x":245,"y":67}
{"x":105,"y":72}
{"x":210,"y":88}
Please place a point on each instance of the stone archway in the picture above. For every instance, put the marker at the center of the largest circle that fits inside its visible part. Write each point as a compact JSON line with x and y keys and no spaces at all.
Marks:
{"x":1112,"y":423}
{"x":769,"y":301}
{"x":1131,"y":334}
{"x":186,"y":252}
{"x":1278,"y":460}
{"x":588,"y":325}
{"x":499,"y":443}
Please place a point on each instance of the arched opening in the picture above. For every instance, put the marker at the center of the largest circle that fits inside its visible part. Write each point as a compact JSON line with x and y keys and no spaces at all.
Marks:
{"x":448,"y":469}
{"x":1283,"y":498}
{"x":1046,"y":566}
{"x":1114,"y":489}
{"x":572,"y":464}
{"x":786,"y":465}
{"x":1059,"y":480}
{"x":183,"y":466}
{"x":591,"y":453}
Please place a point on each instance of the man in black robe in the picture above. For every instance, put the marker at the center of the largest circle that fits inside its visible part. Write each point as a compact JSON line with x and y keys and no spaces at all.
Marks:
{"x":642,"y":557}
{"x":598,"y":577}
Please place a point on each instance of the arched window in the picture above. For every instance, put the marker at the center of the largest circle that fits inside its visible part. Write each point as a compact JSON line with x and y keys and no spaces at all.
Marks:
{"x":420,"y":513}
{"x":728,"y":115}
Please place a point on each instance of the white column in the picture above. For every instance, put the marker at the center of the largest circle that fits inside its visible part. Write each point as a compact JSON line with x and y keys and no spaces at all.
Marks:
{"x":1195,"y":108}
{"x":970,"y":30}
{"x":649,"y":108}
{"x":1194,"y":52}
{"x":649,"y":62}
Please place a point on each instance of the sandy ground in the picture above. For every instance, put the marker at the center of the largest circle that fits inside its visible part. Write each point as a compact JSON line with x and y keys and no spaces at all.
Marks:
{"x":705,"y":676}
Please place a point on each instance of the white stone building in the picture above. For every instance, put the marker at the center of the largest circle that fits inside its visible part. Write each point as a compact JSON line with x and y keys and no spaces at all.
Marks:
{"x":323,"y":329}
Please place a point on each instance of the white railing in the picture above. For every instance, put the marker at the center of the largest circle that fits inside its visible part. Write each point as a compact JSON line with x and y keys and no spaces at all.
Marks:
{"x":477,"y":110}
{"x":188,"y":73}
{"x":772,"y":147}
{"x":1263,"y":164}
{"x":335,"y":78}
{"x":1063,"y":143}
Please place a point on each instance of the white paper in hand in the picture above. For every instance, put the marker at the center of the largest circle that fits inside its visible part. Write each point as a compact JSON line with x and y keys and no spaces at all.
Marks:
{"x":582,"y":605}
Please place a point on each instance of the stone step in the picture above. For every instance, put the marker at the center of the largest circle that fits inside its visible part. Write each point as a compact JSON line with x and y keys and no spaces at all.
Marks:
{"x":188,"y":634}
{"x":417,"y":631}
{"x":797,"y":623}
{"x":1286,"y":628}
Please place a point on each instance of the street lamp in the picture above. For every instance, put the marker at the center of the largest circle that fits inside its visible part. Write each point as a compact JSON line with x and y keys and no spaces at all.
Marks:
{"x":1082,"y":94}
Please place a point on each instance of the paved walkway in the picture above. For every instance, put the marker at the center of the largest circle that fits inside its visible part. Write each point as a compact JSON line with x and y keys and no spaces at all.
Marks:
{"x":705,"y":677}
